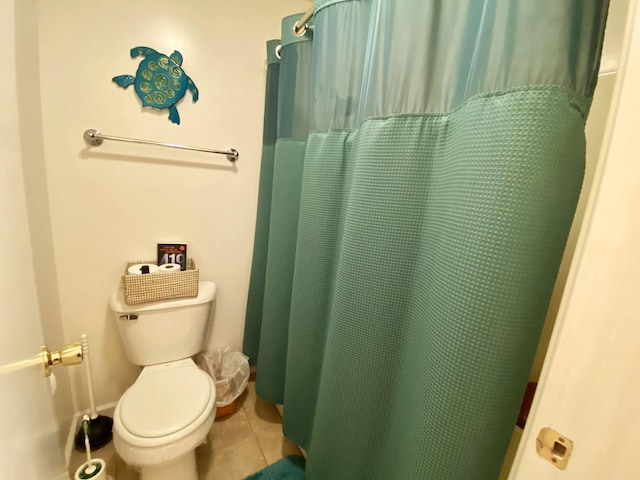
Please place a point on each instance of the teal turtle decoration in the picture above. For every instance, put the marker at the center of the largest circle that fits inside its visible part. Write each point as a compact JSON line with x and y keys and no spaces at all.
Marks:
{"x":160,"y":81}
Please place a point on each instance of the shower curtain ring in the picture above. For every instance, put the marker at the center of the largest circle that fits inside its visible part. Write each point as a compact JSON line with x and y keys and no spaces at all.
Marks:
{"x":278,"y":50}
{"x":299,"y":31}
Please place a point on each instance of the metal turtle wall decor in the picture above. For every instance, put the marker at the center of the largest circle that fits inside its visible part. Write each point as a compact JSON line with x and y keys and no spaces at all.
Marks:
{"x":160,"y":81}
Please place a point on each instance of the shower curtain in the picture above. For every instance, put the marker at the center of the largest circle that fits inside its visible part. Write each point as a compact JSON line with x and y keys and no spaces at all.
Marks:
{"x":422,"y":162}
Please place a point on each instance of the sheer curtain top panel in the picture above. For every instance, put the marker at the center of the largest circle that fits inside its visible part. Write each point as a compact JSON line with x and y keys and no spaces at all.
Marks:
{"x":418,"y":56}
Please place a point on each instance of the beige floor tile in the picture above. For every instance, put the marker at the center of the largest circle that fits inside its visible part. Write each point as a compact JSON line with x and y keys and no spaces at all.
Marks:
{"x":123,"y":471}
{"x":234,"y":462}
{"x":226,"y":431}
{"x":258,"y":410}
{"x":266,"y":424}
{"x":273,"y":444}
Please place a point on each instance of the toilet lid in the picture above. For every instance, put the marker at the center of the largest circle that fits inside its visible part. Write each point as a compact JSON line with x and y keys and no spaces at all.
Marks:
{"x":165,"y":401}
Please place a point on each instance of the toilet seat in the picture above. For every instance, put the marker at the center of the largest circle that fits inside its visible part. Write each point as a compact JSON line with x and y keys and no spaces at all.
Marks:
{"x":165,"y":401}
{"x":167,"y":388}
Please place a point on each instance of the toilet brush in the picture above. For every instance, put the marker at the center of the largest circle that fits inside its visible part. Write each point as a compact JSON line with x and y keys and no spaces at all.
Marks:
{"x":100,"y":426}
{"x":95,"y":468}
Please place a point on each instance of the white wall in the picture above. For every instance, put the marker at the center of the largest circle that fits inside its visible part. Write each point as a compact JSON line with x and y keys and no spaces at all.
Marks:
{"x":114,"y":203}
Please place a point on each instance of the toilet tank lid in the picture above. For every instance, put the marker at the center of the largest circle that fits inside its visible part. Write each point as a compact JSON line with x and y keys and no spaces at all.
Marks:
{"x":206,"y":293}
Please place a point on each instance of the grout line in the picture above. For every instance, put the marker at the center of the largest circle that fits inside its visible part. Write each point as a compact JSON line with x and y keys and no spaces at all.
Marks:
{"x":280,"y":410}
{"x":253,"y":430}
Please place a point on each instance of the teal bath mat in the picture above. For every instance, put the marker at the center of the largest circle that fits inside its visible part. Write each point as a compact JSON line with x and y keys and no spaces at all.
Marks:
{"x":288,"y":468}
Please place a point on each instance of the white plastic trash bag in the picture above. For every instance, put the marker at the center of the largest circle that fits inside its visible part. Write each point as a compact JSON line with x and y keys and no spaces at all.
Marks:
{"x":229,"y":370}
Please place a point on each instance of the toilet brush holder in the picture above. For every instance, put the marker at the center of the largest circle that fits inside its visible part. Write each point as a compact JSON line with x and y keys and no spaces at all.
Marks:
{"x":94,"y":469}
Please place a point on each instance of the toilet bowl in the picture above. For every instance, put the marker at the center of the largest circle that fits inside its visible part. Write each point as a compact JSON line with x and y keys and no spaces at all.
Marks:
{"x":170,"y":408}
{"x":162,"y":418}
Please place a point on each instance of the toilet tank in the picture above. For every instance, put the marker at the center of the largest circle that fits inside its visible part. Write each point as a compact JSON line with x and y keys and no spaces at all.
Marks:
{"x":164,"y":331}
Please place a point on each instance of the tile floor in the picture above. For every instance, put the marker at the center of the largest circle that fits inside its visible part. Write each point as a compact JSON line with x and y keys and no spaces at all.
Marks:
{"x":238,"y":445}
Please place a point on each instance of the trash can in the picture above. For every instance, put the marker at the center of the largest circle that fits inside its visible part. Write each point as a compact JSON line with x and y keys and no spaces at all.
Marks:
{"x":230,"y":373}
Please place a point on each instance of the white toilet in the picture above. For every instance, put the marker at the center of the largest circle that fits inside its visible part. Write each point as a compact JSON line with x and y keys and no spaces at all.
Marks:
{"x":169,"y":410}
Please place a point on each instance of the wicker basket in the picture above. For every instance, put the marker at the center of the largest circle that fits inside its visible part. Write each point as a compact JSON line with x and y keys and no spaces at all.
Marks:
{"x":160,"y":286}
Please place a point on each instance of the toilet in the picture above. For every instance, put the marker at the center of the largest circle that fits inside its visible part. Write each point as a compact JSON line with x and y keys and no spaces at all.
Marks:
{"x":168,"y":411}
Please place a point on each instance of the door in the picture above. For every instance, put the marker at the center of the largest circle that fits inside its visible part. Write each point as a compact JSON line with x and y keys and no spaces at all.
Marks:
{"x":29,"y":445}
{"x":589,"y":391}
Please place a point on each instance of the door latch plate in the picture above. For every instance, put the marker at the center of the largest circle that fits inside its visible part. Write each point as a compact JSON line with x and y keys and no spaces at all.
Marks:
{"x":554,"y":447}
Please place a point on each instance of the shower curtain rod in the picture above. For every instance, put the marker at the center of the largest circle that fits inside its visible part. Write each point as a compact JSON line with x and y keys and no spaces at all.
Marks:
{"x":94,"y":138}
{"x":300,"y":27}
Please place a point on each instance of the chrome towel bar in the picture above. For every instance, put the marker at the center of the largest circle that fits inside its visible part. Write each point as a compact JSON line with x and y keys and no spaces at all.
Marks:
{"x":94,"y":138}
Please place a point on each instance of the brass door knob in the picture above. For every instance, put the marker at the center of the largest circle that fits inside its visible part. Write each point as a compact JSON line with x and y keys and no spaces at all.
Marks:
{"x":69,"y":355}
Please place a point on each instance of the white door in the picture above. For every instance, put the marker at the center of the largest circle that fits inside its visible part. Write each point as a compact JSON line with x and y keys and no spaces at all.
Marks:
{"x":589,"y":391}
{"x":29,"y":445}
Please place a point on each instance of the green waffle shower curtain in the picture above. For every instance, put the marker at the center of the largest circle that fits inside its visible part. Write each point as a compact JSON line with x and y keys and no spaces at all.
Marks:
{"x":422,"y":162}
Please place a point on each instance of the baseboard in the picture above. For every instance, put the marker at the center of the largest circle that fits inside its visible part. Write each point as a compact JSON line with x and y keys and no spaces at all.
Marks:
{"x":75,"y":426}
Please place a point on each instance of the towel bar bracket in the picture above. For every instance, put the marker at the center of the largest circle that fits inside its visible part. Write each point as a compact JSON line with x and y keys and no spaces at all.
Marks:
{"x":91,"y":139}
